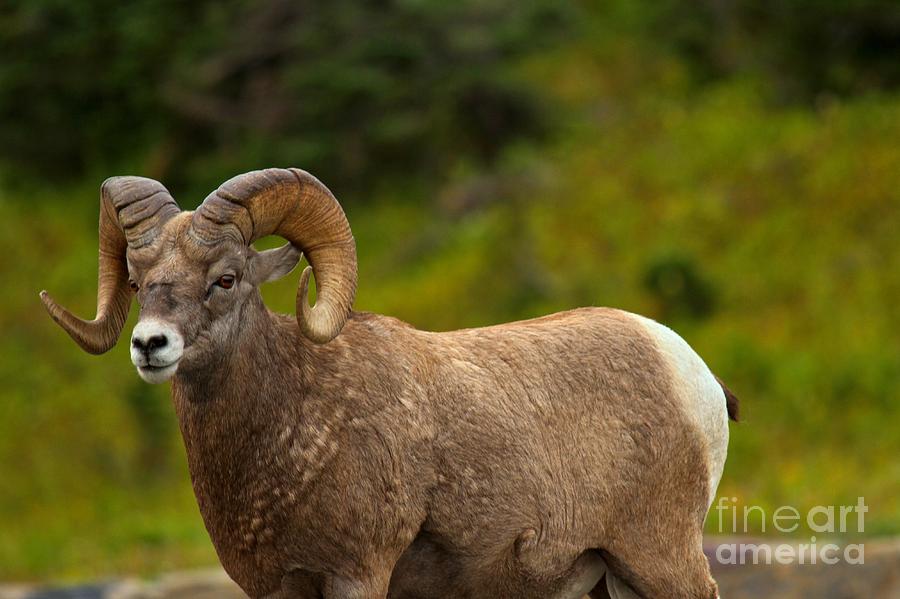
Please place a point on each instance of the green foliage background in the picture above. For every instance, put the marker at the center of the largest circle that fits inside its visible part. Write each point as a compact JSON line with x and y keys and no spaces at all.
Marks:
{"x":729,"y":168}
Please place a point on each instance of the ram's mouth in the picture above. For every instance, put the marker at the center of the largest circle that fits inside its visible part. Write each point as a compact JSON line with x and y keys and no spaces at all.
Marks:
{"x":155,"y":368}
{"x":157,"y":373}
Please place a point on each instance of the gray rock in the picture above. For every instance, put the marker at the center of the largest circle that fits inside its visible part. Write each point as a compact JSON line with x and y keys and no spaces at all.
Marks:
{"x":878,"y":578}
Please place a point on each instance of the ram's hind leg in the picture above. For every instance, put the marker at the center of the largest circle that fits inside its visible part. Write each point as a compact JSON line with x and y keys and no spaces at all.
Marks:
{"x":612,"y":588}
{"x":600,"y":591}
{"x":675,"y":568}
{"x":586,"y":573}
{"x":616,"y":589}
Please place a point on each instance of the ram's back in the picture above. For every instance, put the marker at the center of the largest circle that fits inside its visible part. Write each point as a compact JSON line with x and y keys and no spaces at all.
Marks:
{"x":557,"y":370}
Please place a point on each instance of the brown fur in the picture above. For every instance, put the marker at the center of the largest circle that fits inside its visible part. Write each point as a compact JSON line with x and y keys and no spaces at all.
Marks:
{"x":443,"y":454}
{"x":506,"y":461}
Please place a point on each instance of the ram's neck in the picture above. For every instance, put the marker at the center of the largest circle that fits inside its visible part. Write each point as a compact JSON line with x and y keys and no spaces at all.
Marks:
{"x":269,"y":362}
{"x":231,"y":407}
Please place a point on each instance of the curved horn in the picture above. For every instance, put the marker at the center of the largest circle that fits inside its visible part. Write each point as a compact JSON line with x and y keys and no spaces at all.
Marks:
{"x":295,"y":205}
{"x":131,"y":211}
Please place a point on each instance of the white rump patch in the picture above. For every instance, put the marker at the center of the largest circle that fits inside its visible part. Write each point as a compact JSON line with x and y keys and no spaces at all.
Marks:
{"x":701,"y":395}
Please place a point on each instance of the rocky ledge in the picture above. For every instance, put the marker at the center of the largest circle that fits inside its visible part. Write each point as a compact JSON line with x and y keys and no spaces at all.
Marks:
{"x":878,"y":577}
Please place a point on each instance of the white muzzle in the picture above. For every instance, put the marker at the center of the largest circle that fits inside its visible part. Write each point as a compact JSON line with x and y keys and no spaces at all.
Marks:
{"x":156,"y":348}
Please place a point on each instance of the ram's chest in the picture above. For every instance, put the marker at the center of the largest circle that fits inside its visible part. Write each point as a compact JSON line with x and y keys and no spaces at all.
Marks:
{"x":244,"y":505}
{"x":250,"y":509}
{"x":253,"y":490}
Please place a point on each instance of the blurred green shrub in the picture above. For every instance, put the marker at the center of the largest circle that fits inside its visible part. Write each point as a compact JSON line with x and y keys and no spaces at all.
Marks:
{"x":804,"y":48}
{"x":764,"y":231}
{"x":196,"y":91}
{"x":678,"y":288}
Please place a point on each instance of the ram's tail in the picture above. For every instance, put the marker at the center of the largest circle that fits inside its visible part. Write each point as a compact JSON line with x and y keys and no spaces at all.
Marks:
{"x":731,"y":401}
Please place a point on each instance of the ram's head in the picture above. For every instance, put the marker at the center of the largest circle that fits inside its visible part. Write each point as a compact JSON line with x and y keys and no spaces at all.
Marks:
{"x":195,"y":273}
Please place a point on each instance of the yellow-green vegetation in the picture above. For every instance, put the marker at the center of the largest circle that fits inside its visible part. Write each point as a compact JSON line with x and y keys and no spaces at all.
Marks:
{"x":764,"y":231}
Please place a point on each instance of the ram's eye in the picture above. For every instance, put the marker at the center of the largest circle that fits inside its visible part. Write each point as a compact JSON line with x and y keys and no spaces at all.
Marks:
{"x":134,"y":286}
{"x":225,"y":281}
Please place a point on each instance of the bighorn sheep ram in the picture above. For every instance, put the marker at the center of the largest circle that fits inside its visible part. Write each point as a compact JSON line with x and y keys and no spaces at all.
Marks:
{"x":347,"y":455}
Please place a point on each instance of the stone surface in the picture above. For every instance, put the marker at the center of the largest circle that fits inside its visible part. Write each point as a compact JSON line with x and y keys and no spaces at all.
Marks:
{"x":207,"y":584}
{"x":878,"y":578}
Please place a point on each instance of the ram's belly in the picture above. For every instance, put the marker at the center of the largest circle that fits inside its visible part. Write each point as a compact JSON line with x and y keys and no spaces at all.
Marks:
{"x":434,"y":568}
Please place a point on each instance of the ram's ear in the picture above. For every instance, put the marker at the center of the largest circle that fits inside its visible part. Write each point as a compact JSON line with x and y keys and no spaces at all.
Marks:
{"x":272,"y":264}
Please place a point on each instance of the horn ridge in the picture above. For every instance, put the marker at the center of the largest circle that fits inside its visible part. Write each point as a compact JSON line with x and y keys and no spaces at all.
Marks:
{"x":295,"y":205}
{"x":132,"y":210}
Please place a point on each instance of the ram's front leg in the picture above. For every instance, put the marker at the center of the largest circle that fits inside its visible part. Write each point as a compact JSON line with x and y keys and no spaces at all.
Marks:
{"x":300,"y":584}
{"x":374,"y":586}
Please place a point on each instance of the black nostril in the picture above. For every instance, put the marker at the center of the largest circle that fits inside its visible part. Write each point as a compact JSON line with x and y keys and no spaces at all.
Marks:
{"x":156,"y":342}
{"x":152,"y":343}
